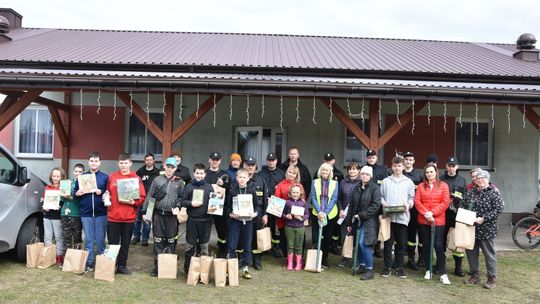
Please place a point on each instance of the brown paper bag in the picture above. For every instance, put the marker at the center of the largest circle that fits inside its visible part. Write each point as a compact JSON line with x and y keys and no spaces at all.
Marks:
{"x":232,"y":268}
{"x":167,"y":265}
{"x":220,"y":272}
{"x":47,"y":257}
{"x":104,"y":268}
{"x":206,"y":265}
{"x":75,"y":261}
{"x":182,"y":215}
{"x":348,"y":247}
{"x":264,"y":239}
{"x":194,"y":272}
{"x":464,"y":236}
{"x":311,"y":260}
{"x":33,"y":251}
{"x":384,"y":228}
{"x":450,"y":241}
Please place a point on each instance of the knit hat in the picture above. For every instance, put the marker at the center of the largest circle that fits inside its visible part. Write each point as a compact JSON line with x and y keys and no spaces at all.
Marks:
{"x":236,"y":156}
{"x":367,"y":169}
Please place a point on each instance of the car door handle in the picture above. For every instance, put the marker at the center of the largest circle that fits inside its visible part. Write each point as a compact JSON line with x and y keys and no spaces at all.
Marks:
{"x":35,"y":192}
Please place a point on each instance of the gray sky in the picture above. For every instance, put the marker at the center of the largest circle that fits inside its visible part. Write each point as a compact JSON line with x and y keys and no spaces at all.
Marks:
{"x":472,"y":20}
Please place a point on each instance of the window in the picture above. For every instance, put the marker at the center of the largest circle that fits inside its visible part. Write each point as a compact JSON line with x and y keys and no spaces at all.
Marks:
{"x":473,"y":144}
{"x":7,"y":170}
{"x":141,"y":140}
{"x":36,"y":133}
{"x":259,"y":141}
{"x":354,"y":150}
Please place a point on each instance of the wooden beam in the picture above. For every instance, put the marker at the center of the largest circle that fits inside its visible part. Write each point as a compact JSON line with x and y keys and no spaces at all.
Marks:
{"x":41,"y":100}
{"x":141,"y":115}
{"x":67,"y":128}
{"x":59,"y":126}
{"x":168,"y":125}
{"x":404,"y":118}
{"x":207,"y":105}
{"x":531,"y":115}
{"x":8,"y":102}
{"x":17,"y":107}
{"x":347,"y":121}
{"x":374,"y":125}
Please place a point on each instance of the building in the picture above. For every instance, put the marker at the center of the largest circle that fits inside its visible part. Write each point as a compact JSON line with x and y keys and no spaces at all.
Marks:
{"x":69,"y":92}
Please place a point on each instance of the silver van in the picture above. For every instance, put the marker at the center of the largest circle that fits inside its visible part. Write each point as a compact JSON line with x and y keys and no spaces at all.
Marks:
{"x":21,"y":219}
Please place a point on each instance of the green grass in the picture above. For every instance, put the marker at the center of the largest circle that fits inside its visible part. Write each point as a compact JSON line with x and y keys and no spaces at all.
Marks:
{"x":517,"y":283}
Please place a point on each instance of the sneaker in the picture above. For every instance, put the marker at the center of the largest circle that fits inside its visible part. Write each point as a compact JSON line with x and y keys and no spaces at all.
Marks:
{"x":491,"y":283}
{"x":324,"y":263}
{"x":412,"y":265}
{"x":135,"y":240}
{"x":474,"y":279}
{"x":245,"y":273}
{"x":123,"y":270}
{"x":385,"y":273}
{"x":344,"y":262}
{"x":144,"y":243}
{"x":444,"y":279}
{"x":427,"y":276}
{"x":88,"y":269}
{"x":368,"y":275}
{"x":401,"y":274}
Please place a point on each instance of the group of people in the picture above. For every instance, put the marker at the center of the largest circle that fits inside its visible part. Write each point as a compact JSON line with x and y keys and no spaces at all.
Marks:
{"x":415,"y":201}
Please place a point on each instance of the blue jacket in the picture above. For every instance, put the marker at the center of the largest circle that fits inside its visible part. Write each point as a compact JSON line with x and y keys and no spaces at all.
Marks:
{"x":91,"y":204}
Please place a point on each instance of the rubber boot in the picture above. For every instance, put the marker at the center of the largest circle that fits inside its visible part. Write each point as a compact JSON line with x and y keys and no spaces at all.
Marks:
{"x":298,"y":262}
{"x":289,"y":261}
{"x":458,"y":271}
{"x":59,"y":260}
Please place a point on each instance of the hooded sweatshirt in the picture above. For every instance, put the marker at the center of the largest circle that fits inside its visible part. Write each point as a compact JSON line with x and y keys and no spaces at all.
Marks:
{"x":397,"y":192}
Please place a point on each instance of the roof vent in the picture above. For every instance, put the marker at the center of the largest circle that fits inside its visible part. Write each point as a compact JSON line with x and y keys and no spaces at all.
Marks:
{"x":526,"y":48}
{"x":4,"y":25}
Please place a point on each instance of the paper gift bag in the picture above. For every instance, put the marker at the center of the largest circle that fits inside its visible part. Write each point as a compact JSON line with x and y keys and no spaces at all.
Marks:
{"x":206,"y":265}
{"x":232,"y":269}
{"x":464,"y":236}
{"x":220,"y":272}
{"x":182,"y":215}
{"x":384,"y":228}
{"x":33,"y":251}
{"x":311,"y":260}
{"x":167,"y":265}
{"x":75,"y":261}
{"x":47,"y":257}
{"x":264,"y":239}
{"x":104,"y":268}
{"x":451,"y":242}
{"x":194,"y":272}
{"x":348,"y":246}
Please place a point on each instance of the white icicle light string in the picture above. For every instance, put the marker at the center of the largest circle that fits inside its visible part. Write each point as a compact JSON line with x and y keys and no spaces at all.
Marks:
{"x":523,"y":117}
{"x":81,"y":98}
{"x":164,"y":104}
{"x":297,"y":109}
{"x":362,"y":112}
{"x":397,"y":112}
{"x":508,"y":118}
{"x":413,"y":122}
{"x":247,"y":109}
{"x":429,"y":112}
{"x":181,"y":110}
{"x":476,"y":116}
{"x":98,"y":102}
{"x":380,"y":114}
{"x":331,"y":112}
{"x":492,"y":116}
{"x":262,"y":106}
{"x":198,"y":102}
{"x":460,"y":115}
{"x":230,"y":107}
{"x":214,"y":112}
{"x":444,"y":116}
{"x":130,"y":103}
{"x":281,"y":112}
{"x":114,"y":105}
{"x":314,"y":110}
{"x":148,"y":106}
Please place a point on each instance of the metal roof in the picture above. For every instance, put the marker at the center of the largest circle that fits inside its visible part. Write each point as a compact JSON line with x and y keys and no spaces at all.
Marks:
{"x":57,"y":47}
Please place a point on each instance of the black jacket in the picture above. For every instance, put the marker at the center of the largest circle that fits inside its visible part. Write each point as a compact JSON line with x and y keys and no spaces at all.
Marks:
{"x":183,"y":173}
{"x":456,"y":186}
{"x":272,"y":178}
{"x":197,"y":213}
{"x":234,"y":190}
{"x":366,"y":203}
{"x":416,"y":175}
{"x":147,"y":176}
{"x":305,"y":176}
{"x":379,"y":173}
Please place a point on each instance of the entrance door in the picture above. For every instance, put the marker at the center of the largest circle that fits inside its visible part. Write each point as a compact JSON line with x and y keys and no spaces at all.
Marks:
{"x":259,"y":141}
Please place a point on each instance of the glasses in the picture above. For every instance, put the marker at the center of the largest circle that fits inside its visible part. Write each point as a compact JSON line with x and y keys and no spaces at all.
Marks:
{"x":479,"y":177}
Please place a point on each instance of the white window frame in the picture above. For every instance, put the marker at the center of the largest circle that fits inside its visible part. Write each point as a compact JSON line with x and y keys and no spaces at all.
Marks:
{"x":473,"y":129}
{"x":261,"y":155}
{"x":18,"y":136}
{"x":362,"y":151}
{"x":140,"y":157}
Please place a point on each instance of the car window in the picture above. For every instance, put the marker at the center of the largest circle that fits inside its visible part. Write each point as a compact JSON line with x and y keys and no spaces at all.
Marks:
{"x":7,"y":170}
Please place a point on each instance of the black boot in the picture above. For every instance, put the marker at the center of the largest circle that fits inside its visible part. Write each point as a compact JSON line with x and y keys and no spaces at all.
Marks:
{"x":458,"y":271}
{"x":420,"y":262}
{"x":257,"y":261}
{"x":222,"y":251}
{"x":377,"y":250}
{"x":276,"y":251}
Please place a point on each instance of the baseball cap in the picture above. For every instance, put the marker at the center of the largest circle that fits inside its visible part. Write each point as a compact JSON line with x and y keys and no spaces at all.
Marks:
{"x":371,"y":152}
{"x":215,"y":155}
{"x":452,"y":161}
{"x":408,"y":154}
{"x":432,"y":158}
{"x":171,"y":161}
{"x":250,"y":160}
{"x":271,"y":156}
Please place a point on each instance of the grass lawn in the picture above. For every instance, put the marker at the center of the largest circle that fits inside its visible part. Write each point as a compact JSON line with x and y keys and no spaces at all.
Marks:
{"x":517,"y":283}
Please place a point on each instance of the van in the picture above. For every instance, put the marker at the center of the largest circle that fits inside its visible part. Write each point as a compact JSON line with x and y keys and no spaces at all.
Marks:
{"x":21,"y":218}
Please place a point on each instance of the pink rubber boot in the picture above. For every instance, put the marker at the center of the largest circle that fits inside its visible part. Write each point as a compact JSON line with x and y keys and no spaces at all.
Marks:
{"x":290,"y":261}
{"x":298,"y":262}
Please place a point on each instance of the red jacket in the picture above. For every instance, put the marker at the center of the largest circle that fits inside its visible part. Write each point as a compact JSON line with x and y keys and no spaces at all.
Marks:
{"x":435,"y":200}
{"x":120,"y":212}
{"x":282,"y":191}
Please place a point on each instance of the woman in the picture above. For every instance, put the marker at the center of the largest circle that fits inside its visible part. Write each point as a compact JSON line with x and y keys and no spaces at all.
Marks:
{"x":431,"y":200}
{"x":472,"y":174}
{"x":346,"y":187}
{"x":363,"y":211}
{"x":292,"y":177}
{"x":324,"y":195}
{"x":487,"y":202}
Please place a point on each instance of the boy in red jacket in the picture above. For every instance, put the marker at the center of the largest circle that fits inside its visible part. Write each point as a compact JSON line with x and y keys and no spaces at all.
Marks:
{"x":122,"y":213}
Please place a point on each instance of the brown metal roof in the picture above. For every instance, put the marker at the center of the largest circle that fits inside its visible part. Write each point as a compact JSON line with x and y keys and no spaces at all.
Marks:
{"x":179,"y":49}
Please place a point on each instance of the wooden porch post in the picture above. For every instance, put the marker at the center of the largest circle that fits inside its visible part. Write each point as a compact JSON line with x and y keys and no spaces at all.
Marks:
{"x":374,"y":125}
{"x":207,"y":105}
{"x":531,"y":115}
{"x":67,"y":128}
{"x":348,"y":122}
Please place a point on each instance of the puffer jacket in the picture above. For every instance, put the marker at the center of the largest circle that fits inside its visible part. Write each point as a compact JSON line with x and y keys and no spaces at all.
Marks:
{"x":487,"y":203}
{"x":435,"y":200}
{"x":173,"y":197}
{"x":346,"y":187}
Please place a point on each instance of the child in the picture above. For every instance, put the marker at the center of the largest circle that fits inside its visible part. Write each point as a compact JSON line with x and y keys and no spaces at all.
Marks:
{"x":294,"y":226}
{"x":93,"y":211}
{"x":122,"y":214}
{"x":71,"y":216}
{"x":241,"y":228}
{"x":51,"y":218}
{"x":199,"y":223}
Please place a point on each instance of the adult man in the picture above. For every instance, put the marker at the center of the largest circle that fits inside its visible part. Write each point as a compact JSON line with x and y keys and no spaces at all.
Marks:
{"x":456,"y":187}
{"x":397,"y":190}
{"x":379,"y":174}
{"x":432,"y":159}
{"x":416,"y":176}
{"x":167,"y":192}
{"x":93,"y":211}
{"x":294,"y":160}
{"x":272,"y":175}
{"x":181,"y":172}
{"x":147,"y":173}
{"x":214,"y":175}
{"x":256,"y":181}
{"x":330,"y":159}
{"x":123,"y":210}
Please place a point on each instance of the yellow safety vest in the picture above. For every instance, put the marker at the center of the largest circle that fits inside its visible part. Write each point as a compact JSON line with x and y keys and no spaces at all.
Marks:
{"x":332,"y":186}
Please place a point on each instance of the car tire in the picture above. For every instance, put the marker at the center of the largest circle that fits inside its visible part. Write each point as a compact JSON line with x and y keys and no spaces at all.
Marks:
{"x":30,"y":230}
